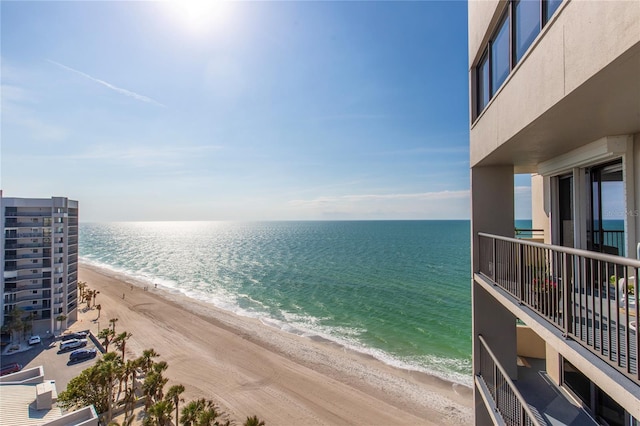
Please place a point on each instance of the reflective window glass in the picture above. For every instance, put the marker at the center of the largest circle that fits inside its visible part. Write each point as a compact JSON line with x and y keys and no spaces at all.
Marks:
{"x":550,"y":7}
{"x":527,"y":25}
{"x":483,"y":83}
{"x":500,"y":56}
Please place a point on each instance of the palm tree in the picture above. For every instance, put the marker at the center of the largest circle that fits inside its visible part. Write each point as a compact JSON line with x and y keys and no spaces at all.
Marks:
{"x":146,"y":360}
{"x":161,"y":366}
{"x":173,"y":395}
{"x":152,"y":388}
{"x":159,"y":414}
{"x":99,"y":308}
{"x":106,"y":334}
{"x":129,"y":371}
{"x":113,"y":323}
{"x":109,"y":369}
{"x":32,"y":316}
{"x":95,"y":293}
{"x":15,"y":323}
{"x":27,"y":323}
{"x":254,"y":421}
{"x":129,"y":402}
{"x":81,"y":286}
{"x":121,"y":341}
{"x":199,"y":412}
{"x":208,"y":415}
{"x":88,"y":295}
{"x":190,"y":412}
{"x":61,"y":318}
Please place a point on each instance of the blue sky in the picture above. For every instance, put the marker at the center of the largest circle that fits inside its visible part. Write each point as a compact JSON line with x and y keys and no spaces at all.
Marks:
{"x":242,"y":111}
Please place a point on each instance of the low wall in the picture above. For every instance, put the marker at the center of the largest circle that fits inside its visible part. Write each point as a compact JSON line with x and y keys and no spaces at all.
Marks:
{"x":96,"y":342}
{"x":530,"y":345}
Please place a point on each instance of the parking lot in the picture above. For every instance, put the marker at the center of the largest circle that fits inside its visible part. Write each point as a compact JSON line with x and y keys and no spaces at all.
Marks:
{"x":56,"y":363}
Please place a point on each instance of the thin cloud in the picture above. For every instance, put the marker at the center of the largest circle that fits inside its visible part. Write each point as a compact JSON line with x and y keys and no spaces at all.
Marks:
{"x":120,"y":90}
{"x":422,"y":196}
{"x":174,"y":157}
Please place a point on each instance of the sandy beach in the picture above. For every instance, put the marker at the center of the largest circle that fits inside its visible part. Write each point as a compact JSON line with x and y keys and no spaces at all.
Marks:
{"x":248,"y":368}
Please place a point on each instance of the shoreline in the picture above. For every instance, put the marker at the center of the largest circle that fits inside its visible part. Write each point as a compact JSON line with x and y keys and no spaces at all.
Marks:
{"x":254,"y":368}
{"x":167,"y":289}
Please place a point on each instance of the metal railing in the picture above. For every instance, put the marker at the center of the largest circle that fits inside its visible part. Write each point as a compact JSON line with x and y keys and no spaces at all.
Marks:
{"x":25,"y":277}
{"x":27,"y":245}
{"x":17,"y":235}
{"x":529,"y":233}
{"x":24,"y":256}
{"x":26,"y":214}
{"x":611,"y":242}
{"x":592,"y":297}
{"x":12,"y":224}
{"x":509,"y":403}
{"x":30,"y":287}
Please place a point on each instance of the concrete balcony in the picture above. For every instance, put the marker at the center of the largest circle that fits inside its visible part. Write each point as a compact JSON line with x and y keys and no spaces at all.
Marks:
{"x":27,"y":214}
{"x":22,"y":288}
{"x":32,"y":245}
{"x":590,"y":297}
{"x":29,"y":266}
{"x":25,"y":256}
{"x":11,"y":224}
{"x":532,"y":399}
{"x":27,"y":277}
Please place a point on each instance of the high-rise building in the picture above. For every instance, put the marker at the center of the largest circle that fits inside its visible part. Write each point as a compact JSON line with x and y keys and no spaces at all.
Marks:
{"x":555,"y":99}
{"x":39,"y":257}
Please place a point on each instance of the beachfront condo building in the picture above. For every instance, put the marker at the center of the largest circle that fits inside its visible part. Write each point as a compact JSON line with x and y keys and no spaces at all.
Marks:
{"x":39,"y":255}
{"x":555,"y":97}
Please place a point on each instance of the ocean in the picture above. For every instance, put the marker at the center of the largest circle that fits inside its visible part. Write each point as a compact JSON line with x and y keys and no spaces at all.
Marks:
{"x":396,"y":290}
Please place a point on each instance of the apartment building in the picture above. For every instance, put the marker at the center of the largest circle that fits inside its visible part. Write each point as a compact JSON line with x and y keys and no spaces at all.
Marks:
{"x":555,"y":94}
{"x":39,"y":255}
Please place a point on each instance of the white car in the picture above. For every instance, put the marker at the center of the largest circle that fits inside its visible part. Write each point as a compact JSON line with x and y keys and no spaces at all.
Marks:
{"x":34,"y":340}
{"x":72,"y":344}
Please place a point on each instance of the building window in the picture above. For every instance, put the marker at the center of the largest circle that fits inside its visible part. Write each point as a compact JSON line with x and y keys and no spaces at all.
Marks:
{"x":526,"y":16}
{"x":500,"y":63}
{"x":550,"y":7}
{"x":522,"y":22}
{"x":483,"y":85}
{"x":595,"y":399}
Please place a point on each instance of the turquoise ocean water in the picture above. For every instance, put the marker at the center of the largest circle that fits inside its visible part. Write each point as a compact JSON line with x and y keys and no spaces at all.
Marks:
{"x":397,"y":290}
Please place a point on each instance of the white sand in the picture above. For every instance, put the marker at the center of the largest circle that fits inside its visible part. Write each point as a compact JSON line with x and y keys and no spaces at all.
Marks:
{"x":249,"y":368}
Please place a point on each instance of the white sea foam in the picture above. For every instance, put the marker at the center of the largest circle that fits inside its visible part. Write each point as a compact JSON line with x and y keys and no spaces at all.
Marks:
{"x":300,"y":325}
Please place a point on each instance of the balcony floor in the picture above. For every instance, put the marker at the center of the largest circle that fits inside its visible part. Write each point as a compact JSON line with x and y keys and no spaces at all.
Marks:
{"x":550,"y":403}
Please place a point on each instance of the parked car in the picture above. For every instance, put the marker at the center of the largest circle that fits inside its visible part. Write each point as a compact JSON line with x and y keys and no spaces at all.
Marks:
{"x":81,"y":354}
{"x":34,"y":340}
{"x":78,"y":335}
{"x":72,"y":344}
{"x":10,"y":368}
